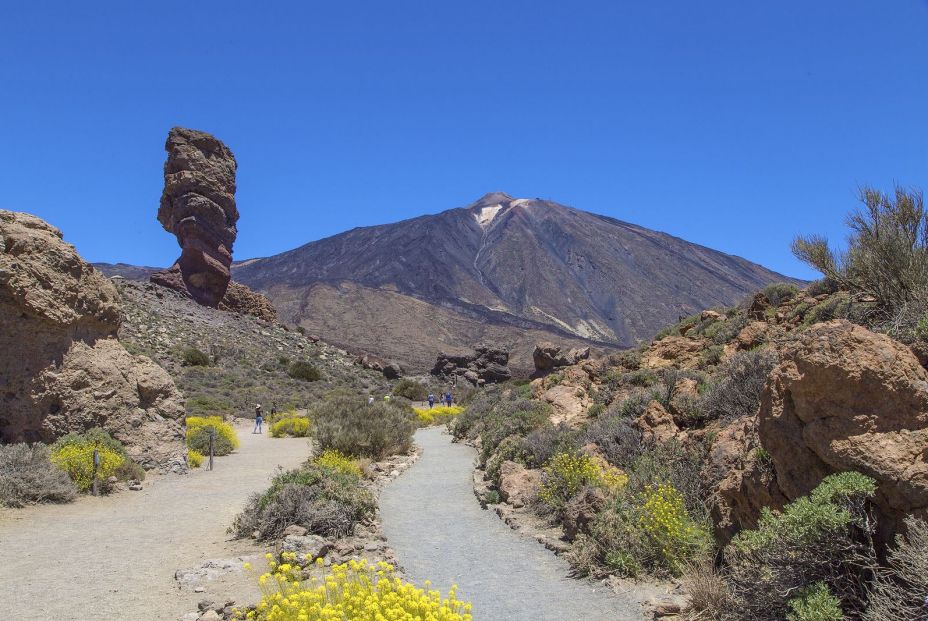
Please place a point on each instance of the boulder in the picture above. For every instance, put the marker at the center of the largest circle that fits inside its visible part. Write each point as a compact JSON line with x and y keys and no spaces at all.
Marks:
{"x":676,"y":351}
{"x":198,"y":205}
{"x":242,"y":300}
{"x":752,"y":335}
{"x":62,"y":368}
{"x":581,"y":511}
{"x":656,"y":424}
{"x":306,"y":547}
{"x":489,"y":365}
{"x":548,"y":356}
{"x":392,"y":370}
{"x":518,"y":485}
{"x":845,"y":398}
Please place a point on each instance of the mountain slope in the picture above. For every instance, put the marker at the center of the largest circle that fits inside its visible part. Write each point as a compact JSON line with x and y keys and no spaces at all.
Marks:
{"x":502,"y":263}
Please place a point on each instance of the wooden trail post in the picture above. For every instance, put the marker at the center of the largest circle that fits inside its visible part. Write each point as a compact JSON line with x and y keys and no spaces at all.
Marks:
{"x":212,"y":436}
{"x":95,"y":490}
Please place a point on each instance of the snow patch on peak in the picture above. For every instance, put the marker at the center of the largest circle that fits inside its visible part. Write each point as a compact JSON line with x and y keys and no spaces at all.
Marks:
{"x":486,"y":214}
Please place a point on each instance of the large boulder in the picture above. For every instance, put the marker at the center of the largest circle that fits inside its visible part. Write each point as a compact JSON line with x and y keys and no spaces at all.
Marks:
{"x":517,"y":484}
{"x":548,"y":356}
{"x":844,"y":398}
{"x":198,"y":205}
{"x":485,"y":365}
{"x":61,"y":368}
{"x":242,"y":300}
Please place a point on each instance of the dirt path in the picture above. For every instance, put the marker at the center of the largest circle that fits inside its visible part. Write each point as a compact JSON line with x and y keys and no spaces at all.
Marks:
{"x":440,"y":533}
{"x":115,"y":557}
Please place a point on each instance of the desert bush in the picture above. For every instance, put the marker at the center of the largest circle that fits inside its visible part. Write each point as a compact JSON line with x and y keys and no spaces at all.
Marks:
{"x":725,"y":331}
{"x":352,"y":590}
{"x":193,"y":357}
{"x":815,"y":603}
{"x":780,"y":292}
{"x":334,"y":460}
{"x":510,"y":449}
{"x":304,"y":371}
{"x":616,"y":437}
{"x":28,"y":476}
{"x":738,"y":385}
{"x":823,"y":537}
{"x":681,"y":467}
{"x":410,"y":389}
{"x":886,"y":257}
{"x":543,"y":443}
{"x":707,"y":591}
{"x":437,"y":415}
{"x":900,"y":590}
{"x":77,"y":461}
{"x":129,"y":470}
{"x":325,"y":501}
{"x":294,"y":426}
{"x":496,"y":414}
{"x":204,"y":405}
{"x":568,"y":473}
{"x":194,"y":458}
{"x":352,"y":426}
{"x":198,"y":432}
{"x":676,"y":538}
{"x":96,"y":436}
{"x":629,"y":359}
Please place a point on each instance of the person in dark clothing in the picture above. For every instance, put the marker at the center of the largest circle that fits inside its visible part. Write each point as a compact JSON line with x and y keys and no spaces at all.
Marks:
{"x":431,"y":400}
{"x":448,"y":399}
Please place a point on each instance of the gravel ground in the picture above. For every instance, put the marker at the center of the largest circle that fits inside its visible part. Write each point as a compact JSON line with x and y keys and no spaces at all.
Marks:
{"x":439,"y":532}
{"x":114,"y":557}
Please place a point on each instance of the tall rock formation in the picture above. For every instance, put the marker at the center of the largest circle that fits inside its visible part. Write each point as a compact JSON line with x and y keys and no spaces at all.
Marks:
{"x":61,"y":367}
{"x":198,"y":205}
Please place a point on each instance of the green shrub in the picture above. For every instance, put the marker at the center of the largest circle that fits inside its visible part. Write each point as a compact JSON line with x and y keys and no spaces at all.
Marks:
{"x":294,"y":426}
{"x":491,"y":497}
{"x":616,"y":437}
{"x":198,"y":431}
{"x":496,"y":414}
{"x":543,"y":443}
{"x":780,"y":292}
{"x":350,"y":425}
{"x":73,"y":453}
{"x":822,"y":537}
{"x":96,"y":437}
{"x":304,"y":371}
{"x":410,"y":389}
{"x":129,"y":470}
{"x":193,"y":357}
{"x":326,"y":501}
{"x":815,"y":603}
{"x":27,"y":476}
{"x":568,"y":473}
{"x":204,"y":405}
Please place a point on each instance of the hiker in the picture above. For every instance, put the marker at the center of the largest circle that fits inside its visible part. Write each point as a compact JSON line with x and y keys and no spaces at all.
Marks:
{"x":273,"y":411}
{"x":370,"y":400}
{"x":258,"y":419}
{"x":431,"y":401}
{"x":448,"y":398}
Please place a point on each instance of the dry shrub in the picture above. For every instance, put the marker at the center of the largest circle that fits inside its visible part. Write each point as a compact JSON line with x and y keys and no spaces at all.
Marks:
{"x":738,"y":388}
{"x":707,"y":591}
{"x":356,"y":428}
{"x":900,"y":591}
{"x":27,"y":476}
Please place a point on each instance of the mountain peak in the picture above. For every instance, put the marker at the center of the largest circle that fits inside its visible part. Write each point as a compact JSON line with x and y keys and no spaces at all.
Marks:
{"x":490,"y":199}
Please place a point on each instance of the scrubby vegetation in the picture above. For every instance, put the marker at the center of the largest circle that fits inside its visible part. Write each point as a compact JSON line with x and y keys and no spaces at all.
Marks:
{"x":348,"y":424}
{"x":304,"y":371}
{"x":294,"y":426}
{"x":410,"y":389}
{"x":225,"y":440}
{"x":73,"y":453}
{"x":325,"y":498}
{"x":194,"y":458}
{"x":28,"y":476}
{"x":437,"y":415}
{"x":353,"y":590}
{"x":193,"y":357}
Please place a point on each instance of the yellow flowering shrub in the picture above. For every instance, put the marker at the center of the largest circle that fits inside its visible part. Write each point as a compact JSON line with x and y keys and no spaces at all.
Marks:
{"x":438,"y":415}
{"x":335,"y":460}
{"x":296,"y":426}
{"x":77,"y":461}
{"x":675,"y":537}
{"x":565,"y":474}
{"x":354,"y":590}
{"x":194,"y":458}
{"x":198,"y":429}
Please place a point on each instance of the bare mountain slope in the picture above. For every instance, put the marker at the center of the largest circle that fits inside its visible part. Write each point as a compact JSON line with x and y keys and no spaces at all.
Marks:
{"x":500,"y":269}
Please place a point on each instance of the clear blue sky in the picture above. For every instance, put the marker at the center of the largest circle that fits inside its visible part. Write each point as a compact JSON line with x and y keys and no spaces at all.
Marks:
{"x":731,"y":124}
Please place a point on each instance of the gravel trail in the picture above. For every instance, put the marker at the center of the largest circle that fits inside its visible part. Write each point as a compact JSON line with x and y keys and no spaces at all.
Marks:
{"x":114,"y":557}
{"x":439,"y":532}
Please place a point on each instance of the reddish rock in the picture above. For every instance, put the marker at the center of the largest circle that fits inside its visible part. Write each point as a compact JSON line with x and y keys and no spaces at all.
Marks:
{"x":752,"y":335}
{"x":656,"y":424}
{"x":678,"y":351}
{"x":241,"y":299}
{"x":198,"y":205}
{"x":581,"y":511}
{"x":518,"y":485}
{"x":845,"y":398}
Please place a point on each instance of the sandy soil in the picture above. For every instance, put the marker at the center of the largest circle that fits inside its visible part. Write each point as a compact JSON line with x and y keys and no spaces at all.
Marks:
{"x":115,"y":557}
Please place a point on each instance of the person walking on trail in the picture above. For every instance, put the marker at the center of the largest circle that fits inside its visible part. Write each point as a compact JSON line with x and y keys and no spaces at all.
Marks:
{"x":273,"y":410}
{"x":431,"y":400}
{"x":258,"y":419}
{"x":448,"y":398}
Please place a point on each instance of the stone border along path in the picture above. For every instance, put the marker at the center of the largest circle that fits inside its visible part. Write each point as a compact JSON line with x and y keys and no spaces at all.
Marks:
{"x":114,"y":557}
{"x":438,"y":531}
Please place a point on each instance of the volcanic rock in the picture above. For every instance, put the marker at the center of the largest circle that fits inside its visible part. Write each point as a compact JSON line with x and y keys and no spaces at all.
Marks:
{"x":198,"y":205}
{"x":61,"y":367}
{"x":486,"y":365}
{"x":845,"y":398}
{"x":518,"y":485}
{"x":548,"y":356}
{"x":240,"y":299}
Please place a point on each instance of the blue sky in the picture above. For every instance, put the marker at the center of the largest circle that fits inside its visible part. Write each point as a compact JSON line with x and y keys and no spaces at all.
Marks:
{"x":731,"y":124}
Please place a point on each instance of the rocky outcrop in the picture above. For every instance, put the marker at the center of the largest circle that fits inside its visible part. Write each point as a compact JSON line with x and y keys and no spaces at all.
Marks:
{"x":486,"y":365}
{"x":198,"y":205}
{"x":240,"y":299}
{"x":548,"y":356}
{"x":845,"y":398}
{"x":61,"y":367}
{"x":390,"y":370}
{"x":518,"y":485}
{"x":674,"y":351}
{"x":656,"y":424}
